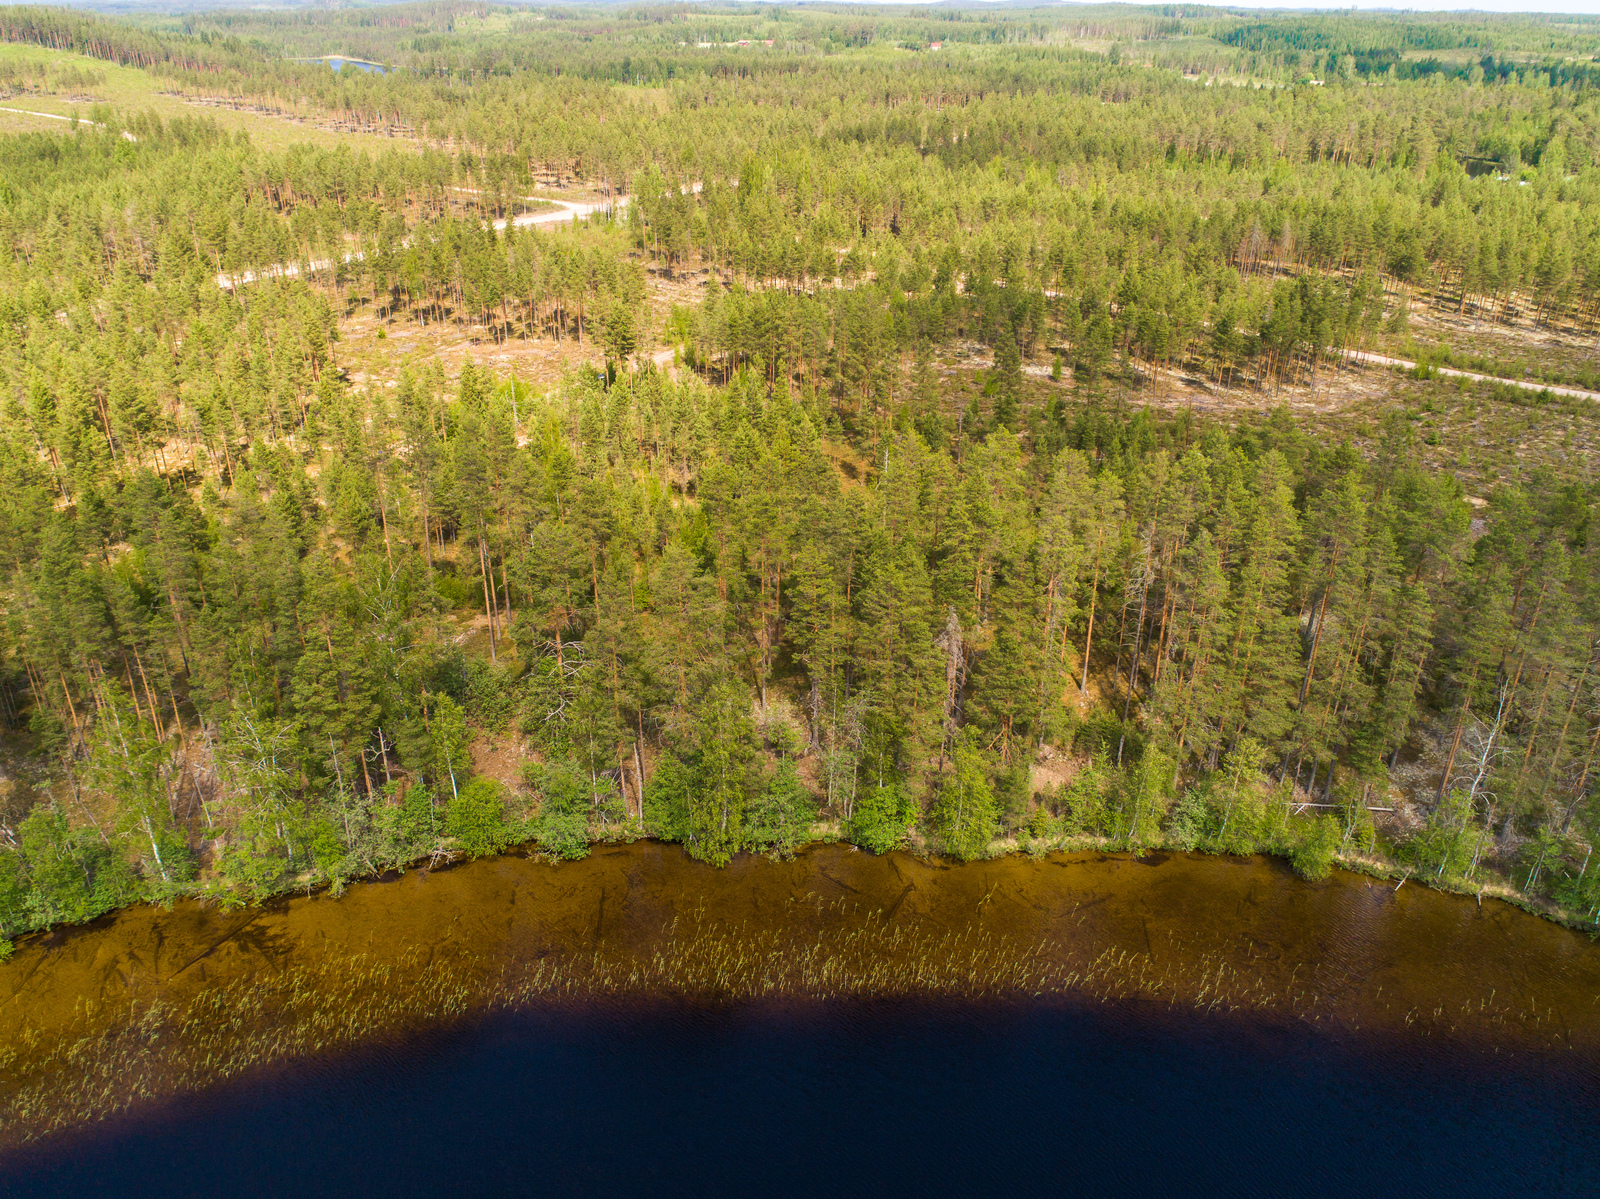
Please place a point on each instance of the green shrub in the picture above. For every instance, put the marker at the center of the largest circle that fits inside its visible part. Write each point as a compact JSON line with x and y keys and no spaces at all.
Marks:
{"x":476,"y":818}
{"x":1013,"y":788}
{"x":564,"y":834}
{"x":1083,"y":804}
{"x":1146,"y":795}
{"x":1319,"y":841}
{"x":257,"y":872}
{"x":561,"y":787}
{"x":781,"y":814}
{"x":327,"y":850}
{"x":1244,"y":822}
{"x":882,"y":818}
{"x":408,"y":830}
{"x":1580,"y":891}
{"x":1360,"y":832}
{"x":964,"y":816}
{"x":13,"y":894}
{"x":1190,"y":820}
{"x":562,"y":825}
{"x":491,"y":693}
{"x":666,"y":799}
{"x":1445,"y":845}
{"x":450,"y":589}
{"x":1040,"y":823}
{"x":1240,"y":806}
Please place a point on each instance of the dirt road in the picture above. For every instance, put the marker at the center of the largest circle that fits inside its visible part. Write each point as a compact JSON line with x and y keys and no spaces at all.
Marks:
{"x":565,"y":211}
{"x":1366,"y":359}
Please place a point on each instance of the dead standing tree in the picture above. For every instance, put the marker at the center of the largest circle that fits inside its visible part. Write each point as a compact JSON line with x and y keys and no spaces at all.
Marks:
{"x":952,"y":643}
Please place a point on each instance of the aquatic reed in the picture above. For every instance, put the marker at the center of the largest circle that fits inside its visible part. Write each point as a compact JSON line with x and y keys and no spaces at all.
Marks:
{"x":114,"y":1058}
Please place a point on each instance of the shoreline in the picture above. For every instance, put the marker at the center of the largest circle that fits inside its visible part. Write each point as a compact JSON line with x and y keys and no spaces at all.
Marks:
{"x":1003,"y":849}
{"x":153,"y":1002}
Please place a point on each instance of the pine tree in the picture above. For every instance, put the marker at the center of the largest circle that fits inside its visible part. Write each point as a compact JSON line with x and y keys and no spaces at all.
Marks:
{"x":964,"y":815}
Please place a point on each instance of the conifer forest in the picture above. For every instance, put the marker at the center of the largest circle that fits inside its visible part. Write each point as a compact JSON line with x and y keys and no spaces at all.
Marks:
{"x":438,"y":429}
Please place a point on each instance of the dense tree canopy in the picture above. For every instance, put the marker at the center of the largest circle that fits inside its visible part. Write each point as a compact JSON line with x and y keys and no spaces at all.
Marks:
{"x":797,"y":583}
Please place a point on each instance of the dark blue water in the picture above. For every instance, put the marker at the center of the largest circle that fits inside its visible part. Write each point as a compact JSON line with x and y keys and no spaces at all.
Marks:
{"x":862,"y":1099}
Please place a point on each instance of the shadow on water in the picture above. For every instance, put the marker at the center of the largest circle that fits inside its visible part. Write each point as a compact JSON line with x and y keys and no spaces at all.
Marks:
{"x":911,"y":1096}
{"x":638,"y":1021}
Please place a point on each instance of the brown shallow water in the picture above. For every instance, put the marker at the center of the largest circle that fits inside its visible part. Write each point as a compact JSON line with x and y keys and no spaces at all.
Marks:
{"x":151,"y":1003}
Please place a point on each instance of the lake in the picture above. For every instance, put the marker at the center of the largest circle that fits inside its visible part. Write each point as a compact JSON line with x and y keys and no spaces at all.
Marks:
{"x":640,"y":1023}
{"x":338,"y":63}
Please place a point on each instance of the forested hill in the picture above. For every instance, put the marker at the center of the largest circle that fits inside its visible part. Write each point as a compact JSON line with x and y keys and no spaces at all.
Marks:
{"x":956,"y":447}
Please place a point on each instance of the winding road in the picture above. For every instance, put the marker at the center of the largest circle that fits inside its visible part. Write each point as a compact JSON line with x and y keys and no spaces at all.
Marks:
{"x":565,"y":211}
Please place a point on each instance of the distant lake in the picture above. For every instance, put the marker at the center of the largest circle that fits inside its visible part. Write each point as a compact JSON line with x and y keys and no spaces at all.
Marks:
{"x":338,"y":63}
{"x":640,"y":1024}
